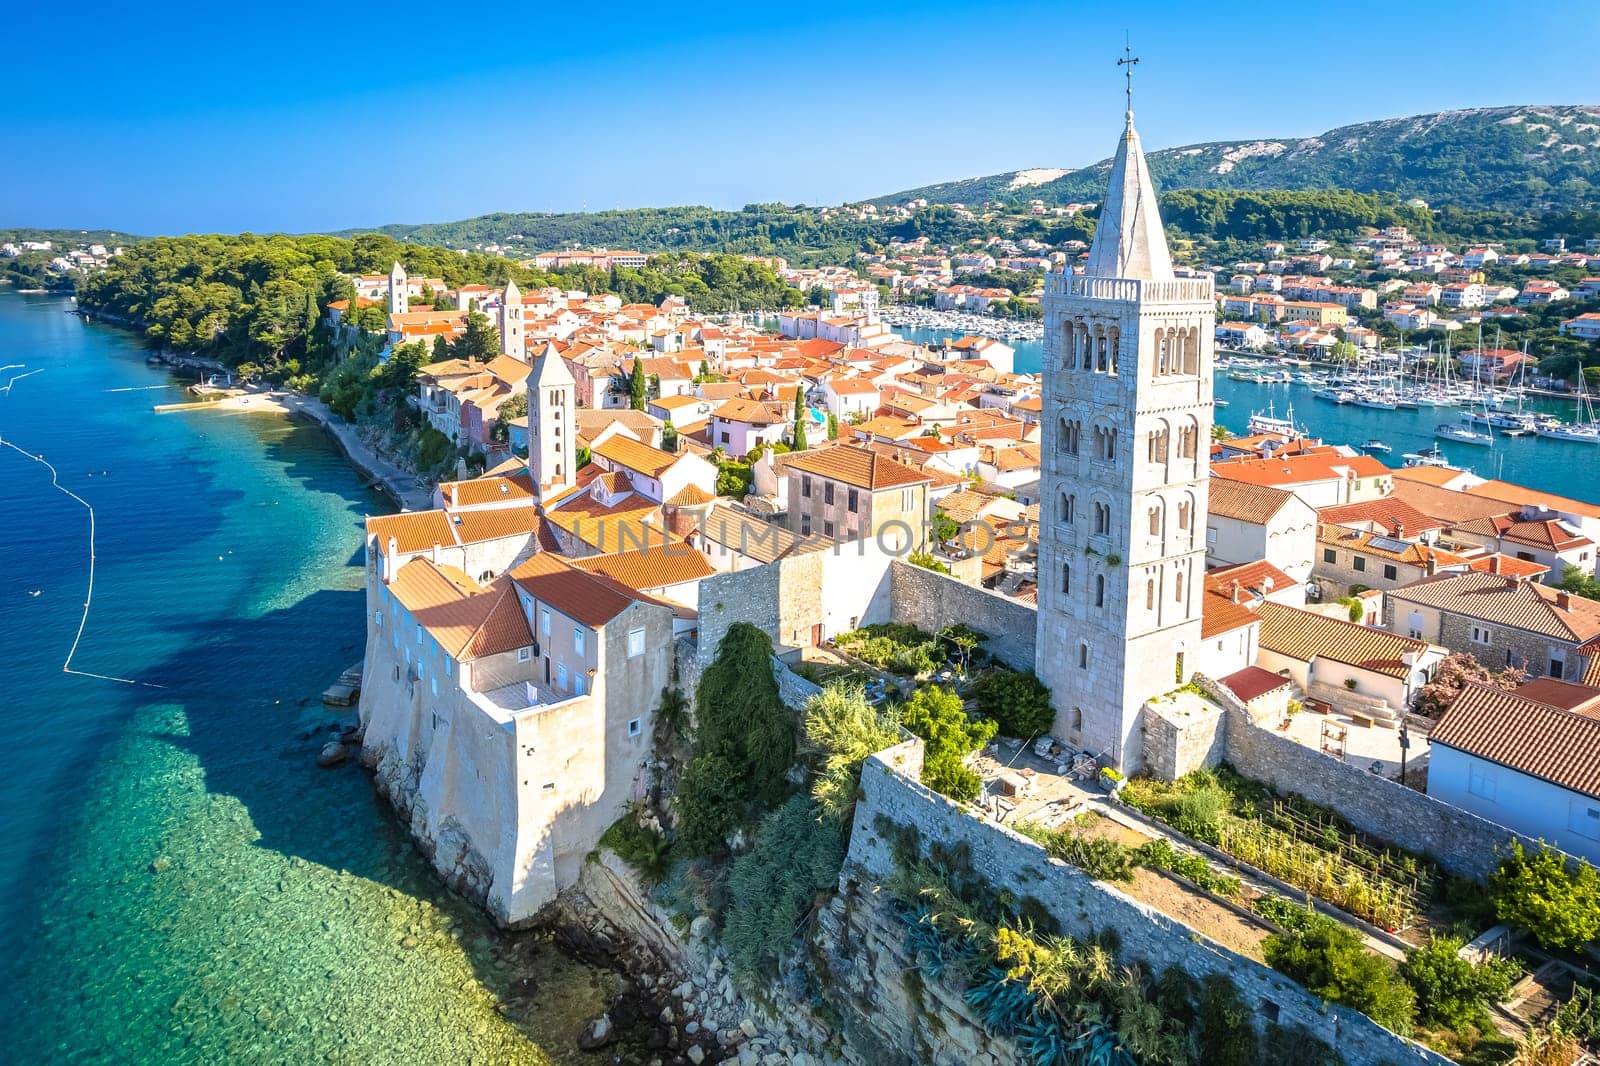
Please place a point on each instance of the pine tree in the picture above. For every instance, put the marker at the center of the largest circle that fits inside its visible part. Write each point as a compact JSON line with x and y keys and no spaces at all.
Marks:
{"x":799,"y":436}
{"x":669,"y":438}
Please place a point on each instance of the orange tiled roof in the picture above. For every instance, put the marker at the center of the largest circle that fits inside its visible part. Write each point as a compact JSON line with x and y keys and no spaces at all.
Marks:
{"x":1508,"y":601}
{"x":589,"y":598}
{"x":1246,"y":503}
{"x":468,"y":621}
{"x":857,"y":466}
{"x":1525,"y":735}
{"x":1305,"y":635}
{"x":650,"y":567}
{"x":635,"y":456}
{"x":1219,"y":613}
{"x":1394,"y":516}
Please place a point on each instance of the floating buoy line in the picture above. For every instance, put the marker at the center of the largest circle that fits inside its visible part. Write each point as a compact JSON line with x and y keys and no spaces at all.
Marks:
{"x":88,"y":599}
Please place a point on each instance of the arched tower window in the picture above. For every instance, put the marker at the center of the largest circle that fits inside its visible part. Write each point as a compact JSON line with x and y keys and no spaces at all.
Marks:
{"x":1099,"y":590}
{"x":1116,"y":348}
{"x":1066,"y":577}
{"x":1191,"y":351}
{"x":1150,"y":594}
{"x":1086,"y":347}
{"x":1069,"y":508}
{"x":1067,"y":437}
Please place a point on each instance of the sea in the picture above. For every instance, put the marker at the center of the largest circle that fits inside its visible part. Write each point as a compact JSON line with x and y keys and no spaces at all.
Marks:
{"x":1560,"y":467}
{"x":180,"y":883}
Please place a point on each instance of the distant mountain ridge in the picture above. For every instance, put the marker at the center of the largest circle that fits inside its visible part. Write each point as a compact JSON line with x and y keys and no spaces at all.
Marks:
{"x":1506,"y":158}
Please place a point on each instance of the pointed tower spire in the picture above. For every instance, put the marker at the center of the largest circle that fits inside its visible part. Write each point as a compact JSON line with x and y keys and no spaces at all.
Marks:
{"x":1128,"y":240}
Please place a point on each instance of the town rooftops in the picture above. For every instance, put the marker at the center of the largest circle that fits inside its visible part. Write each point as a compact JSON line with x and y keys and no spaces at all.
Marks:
{"x":1523,"y":733}
{"x":1224,"y":608}
{"x":1369,"y":543}
{"x":1391,"y":516}
{"x":1548,"y":533}
{"x":1306,"y":635}
{"x":1448,"y":506}
{"x":1319,"y":465}
{"x":860,"y":467}
{"x":1244,"y":502}
{"x":591,"y":598}
{"x":1508,"y":601}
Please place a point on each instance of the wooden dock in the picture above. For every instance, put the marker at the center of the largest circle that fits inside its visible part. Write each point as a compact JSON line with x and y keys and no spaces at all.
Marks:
{"x":345,"y":691}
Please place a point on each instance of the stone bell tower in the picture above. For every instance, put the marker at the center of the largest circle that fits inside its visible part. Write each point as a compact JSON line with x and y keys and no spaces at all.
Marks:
{"x":1125,"y":466}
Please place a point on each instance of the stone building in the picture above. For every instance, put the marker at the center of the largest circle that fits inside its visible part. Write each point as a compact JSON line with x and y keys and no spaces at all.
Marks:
{"x":849,"y":493}
{"x":1124,"y":471}
{"x":1502,"y":620}
{"x":509,"y":722}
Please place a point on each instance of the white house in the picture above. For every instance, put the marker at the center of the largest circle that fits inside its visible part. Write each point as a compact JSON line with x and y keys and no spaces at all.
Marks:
{"x":847,"y":397}
{"x":1524,"y":759}
{"x":1247,"y":522}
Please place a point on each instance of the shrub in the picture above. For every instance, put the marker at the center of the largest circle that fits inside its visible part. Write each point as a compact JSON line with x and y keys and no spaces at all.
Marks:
{"x":1330,"y":960}
{"x":841,"y":729}
{"x":638,"y":845}
{"x":713,"y":800}
{"x":1099,"y":857}
{"x":949,"y":734}
{"x":1226,"y":1036}
{"x":1541,"y":894}
{"x":1017,"y":700}
{"x":796,"y":855}
{"x":1451,"y":991}
{"x":1198,"y":812}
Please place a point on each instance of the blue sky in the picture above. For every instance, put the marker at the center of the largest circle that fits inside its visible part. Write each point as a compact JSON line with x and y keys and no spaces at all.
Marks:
{"x":156,"y":119}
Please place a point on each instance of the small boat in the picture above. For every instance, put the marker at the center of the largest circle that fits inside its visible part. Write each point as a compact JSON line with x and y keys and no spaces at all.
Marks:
{"x":1516,"y":431}
{"x":1464,"y":434}
{"x":1375,"y":445}
{"x":1428,"y":457}
{"x":1379,"y":400}
{"x":1219,"y":403}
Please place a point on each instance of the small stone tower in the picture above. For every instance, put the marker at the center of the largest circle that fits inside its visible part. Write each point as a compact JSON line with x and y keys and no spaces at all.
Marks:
{"x":397,"y":290}
{"x":552,"y":445}
{"x":512,"y":340}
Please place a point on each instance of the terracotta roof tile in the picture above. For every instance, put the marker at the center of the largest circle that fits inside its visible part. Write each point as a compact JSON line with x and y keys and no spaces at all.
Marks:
{"x":860,"y":467}
{"x":1252,"y":682}
{"x":1508,"y":601}
{"x":633,"y":455}
{"x":1242,"y":502}
{"x":1306,"y":635}
{"x":1525,"y":735}
{"x":650,"y":567}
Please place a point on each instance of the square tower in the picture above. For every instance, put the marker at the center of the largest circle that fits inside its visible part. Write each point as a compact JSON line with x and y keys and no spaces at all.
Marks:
{"x":1125,"y":465}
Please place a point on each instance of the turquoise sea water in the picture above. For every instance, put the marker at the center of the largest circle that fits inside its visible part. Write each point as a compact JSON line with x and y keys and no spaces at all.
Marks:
{"x":179,"y":882}
{"x":1561,"y":467}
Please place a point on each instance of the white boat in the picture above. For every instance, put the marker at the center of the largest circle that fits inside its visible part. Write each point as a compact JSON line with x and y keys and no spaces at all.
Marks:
{"x":1428,"y":457}
{"x":1337,"y":395}
{"x":1464,"y":434}
{"x":1589,"y":434}
{"x":1219,"y":403}
{"x":1375,"y":445}
{"x":1383,"y":401}
{"x":1269,"y":423}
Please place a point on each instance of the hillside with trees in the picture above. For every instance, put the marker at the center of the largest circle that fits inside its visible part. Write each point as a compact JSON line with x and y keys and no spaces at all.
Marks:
{"x":1516,"y":159}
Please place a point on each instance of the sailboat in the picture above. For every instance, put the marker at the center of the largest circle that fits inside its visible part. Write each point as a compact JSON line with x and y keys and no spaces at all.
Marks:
{"x":1585,"y":431}
{"x":1463,"y":433}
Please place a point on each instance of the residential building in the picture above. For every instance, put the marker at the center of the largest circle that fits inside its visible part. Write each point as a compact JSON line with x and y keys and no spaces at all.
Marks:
{"x":1502,"y":620}
{"x":845,"y":493}
{"x":1246,"y":522}
{"x":1524,"y":759}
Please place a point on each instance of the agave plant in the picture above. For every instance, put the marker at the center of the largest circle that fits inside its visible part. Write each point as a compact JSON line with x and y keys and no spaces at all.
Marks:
{"x":1044,"y":1043}
{"x":1003,"y":1004}
{"x":1098,"y":1046}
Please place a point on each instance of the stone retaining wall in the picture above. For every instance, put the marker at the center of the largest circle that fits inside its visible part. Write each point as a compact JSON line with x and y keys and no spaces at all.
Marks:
{"x":1461,"y":842}
{"x":931,"y":601}
{"x":1084,"y":907}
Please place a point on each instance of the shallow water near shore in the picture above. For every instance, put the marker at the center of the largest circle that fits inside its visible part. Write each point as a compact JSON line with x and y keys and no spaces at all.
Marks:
{"x":180,"y":882}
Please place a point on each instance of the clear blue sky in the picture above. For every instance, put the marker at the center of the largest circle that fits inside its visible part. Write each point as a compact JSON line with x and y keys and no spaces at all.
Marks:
{"x":306,"y":117}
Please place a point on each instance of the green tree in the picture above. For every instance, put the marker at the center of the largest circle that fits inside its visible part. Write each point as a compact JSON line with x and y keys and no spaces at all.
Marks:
{"x":669,"y":437}
{"x":1555,"y":901}
{"x":798,"y":436}
{"x":1017,"y":700}
{"x":840,"y":730}
{"x":441,"y":348}
{"x":795,"y":859}
{"x":480,"y":340}
{"x":1575,"y":581}
{"x":833,"y":426}
{"x":744,"y":741}
{"x":637,"y":385}
{"x":949,"y":735}
{"x":926,"y":560}
{"x":1330,"y":960}
{"x":1453,"y":992}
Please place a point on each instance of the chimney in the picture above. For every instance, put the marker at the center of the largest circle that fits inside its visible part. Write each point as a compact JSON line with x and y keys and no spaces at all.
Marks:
{"x":1233,"y":590}
{"x":1494,"y":563}
{"x":1564,"y":600}
{"x":1266,"y":584}
{"x":1511,"y":582}
{"x":391,"y":554}
{"x":434,"y":555}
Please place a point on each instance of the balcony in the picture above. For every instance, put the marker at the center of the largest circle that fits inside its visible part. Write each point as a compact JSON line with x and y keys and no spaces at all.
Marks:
{"x":1179,"y":290}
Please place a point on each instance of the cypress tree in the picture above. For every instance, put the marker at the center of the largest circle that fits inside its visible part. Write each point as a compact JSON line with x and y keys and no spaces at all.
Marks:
{"x":799,"y":436}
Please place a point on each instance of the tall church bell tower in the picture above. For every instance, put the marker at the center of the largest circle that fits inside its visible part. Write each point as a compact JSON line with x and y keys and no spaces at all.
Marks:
{"x":1125,"y":467}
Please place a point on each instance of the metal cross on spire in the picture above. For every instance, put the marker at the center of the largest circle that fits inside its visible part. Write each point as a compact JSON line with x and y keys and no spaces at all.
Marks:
{"x":1127,"y":63}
